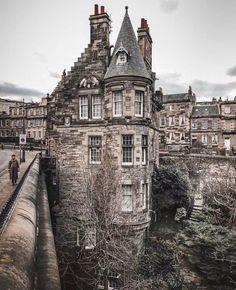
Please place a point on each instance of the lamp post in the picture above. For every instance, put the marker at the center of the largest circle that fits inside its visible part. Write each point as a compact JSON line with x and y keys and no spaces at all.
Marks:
{"x":23,"y":147}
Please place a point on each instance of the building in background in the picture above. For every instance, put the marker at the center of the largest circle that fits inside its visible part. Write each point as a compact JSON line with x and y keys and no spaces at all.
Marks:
{"x":228,"y":124}
{"x":206,"y":125}
{"x":175,"y":120}
{"x":23,"y":118}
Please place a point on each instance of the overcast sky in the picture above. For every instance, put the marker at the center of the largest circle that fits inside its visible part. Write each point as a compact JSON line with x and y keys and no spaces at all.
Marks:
{"x":194,"y":42}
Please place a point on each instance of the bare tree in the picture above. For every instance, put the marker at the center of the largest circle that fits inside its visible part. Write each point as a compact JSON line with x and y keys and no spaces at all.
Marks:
{"x":95,"y":245}
{"x":220,"y":196}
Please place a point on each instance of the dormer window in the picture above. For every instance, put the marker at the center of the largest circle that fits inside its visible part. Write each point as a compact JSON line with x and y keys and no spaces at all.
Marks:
{"x":122,"y":55}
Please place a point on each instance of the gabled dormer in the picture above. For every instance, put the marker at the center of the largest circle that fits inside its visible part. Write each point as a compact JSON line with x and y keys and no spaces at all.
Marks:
{"x":121,"y":55}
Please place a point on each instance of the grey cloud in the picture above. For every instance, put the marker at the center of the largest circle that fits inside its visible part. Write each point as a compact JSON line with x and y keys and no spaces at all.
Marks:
{"x":231,"y":71}
{"x":9,"y":89}
{"x":171,"y":83}
{"x":169,"y":6}
{"x":54,"y":75}
{"x":208,"y":89}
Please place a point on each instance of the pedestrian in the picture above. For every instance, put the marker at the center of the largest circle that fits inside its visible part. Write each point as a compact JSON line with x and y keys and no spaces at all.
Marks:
{"x":13,"y":168}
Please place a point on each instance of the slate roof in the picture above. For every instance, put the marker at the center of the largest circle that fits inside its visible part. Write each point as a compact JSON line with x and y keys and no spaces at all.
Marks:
{"x":176,"y":98}
{"x":205,"y":111}
{"x":135,"y":65}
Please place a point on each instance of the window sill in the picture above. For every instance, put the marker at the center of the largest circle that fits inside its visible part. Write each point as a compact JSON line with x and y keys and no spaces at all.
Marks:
{"x":127,"y":164}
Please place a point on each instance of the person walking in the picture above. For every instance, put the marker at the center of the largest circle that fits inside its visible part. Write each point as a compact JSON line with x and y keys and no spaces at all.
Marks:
{"x":13,"y":168}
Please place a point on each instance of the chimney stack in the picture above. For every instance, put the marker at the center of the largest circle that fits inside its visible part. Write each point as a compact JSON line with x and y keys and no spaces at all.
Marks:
{"x":96,"y":9}
{"x":102,"y":9}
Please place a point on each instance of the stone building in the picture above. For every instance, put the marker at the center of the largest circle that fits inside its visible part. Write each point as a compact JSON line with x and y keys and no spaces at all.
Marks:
{"x":36,"y":120}
{"x":5,"y":105}
{"x":28,"y":118}
{"x":206,"y":125}
{"x":105,"y":102}
{"x":175,"y":120}
{"x":228,"y":124}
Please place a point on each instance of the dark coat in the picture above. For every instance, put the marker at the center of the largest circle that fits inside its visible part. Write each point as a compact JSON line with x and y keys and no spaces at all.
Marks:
{"x":13,"y":167}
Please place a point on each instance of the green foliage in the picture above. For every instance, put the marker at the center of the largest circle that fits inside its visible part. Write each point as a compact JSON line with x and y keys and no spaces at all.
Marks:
{"x":159,"y":266}
{"x":171,"y":188}
{"x":211,"y":251}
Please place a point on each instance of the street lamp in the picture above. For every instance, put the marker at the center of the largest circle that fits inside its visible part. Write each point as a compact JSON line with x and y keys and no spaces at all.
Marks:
{"x":22,"y":159}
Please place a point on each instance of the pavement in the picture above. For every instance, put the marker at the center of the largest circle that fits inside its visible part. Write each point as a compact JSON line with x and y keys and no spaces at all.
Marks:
{"x":6,"y":188}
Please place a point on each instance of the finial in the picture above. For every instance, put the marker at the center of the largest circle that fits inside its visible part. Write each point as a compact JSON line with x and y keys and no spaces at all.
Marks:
{"x":126,"y":8}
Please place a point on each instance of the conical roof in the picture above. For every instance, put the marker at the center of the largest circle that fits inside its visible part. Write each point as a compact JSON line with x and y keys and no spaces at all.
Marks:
{"x":135,"y":65}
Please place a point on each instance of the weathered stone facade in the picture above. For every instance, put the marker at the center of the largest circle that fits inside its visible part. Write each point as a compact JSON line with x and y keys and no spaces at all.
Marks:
{"x":105,"y":103}
{"x":175,"y":120}
{"x":228,"y":124}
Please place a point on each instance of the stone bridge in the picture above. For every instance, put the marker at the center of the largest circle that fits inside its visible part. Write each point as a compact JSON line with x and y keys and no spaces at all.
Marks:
{"x":27,"y":251}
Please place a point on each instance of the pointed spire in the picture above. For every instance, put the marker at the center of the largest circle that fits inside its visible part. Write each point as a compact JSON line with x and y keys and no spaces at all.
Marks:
{"x":135,"y":65}
{"x":126,"y":10}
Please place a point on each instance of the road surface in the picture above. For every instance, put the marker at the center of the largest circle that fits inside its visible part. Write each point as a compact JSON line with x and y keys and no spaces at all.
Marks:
{"x":5,"y":156}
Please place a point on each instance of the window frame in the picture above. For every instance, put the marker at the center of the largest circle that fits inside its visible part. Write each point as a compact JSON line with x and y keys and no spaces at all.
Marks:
{"x":93,"y":146}
{"x":144,"y":159}
{"x":96,"y":104}
{"x":145,"y":195}
{"x":204,"y":138}
{"x":125,"y":193}
{"x":182,"y":120}
{"x":171,"y":118}
{"x":164,"y":123}
{"x":114,"y":103}
{"x":138,"y":103}
{"x":126,"y":146}
{"x":205,"y":124}
{"x":83,"y":105}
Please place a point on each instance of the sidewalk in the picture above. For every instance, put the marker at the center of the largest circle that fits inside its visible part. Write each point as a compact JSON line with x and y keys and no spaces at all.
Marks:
{"x":6,"y":188}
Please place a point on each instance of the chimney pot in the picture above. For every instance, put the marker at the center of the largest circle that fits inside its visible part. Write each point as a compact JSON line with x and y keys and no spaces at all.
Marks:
{"x":102,"y":9}
{"x":142,"y":22}
{"x":96,"y":9}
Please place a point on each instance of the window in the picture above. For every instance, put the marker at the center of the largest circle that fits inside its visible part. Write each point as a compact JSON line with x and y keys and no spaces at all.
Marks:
{"x":83,"y":107}
{"x":163,"y":121}
{"x":127,"y":202}
{"x":171,"y":107}
{"x":204,"y":139}
{"x":34,"y":134}
{"x":227,"y":110}
{"x":127,"y":149}
{"x":215,"y":124}
{"x":28,"y":134}
{"x":90,"y":239}
{"x":182,"y":137}
{"x":172,"y":136}
{"x":144,"y":149}
{"x":145,"y":196}
{"x":194,"y":124}
{"x":117,"y":104}
{"x":95,"y":148}
{"x":97,"y":107}
{"x":204,"y":124}
{"x":215,"y":139}
{"x":40,"y":134}
{"x":181,"y":120}
{"x":138,"y":105}
{"x":171,"y":121}
{"x":121,"y":58}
